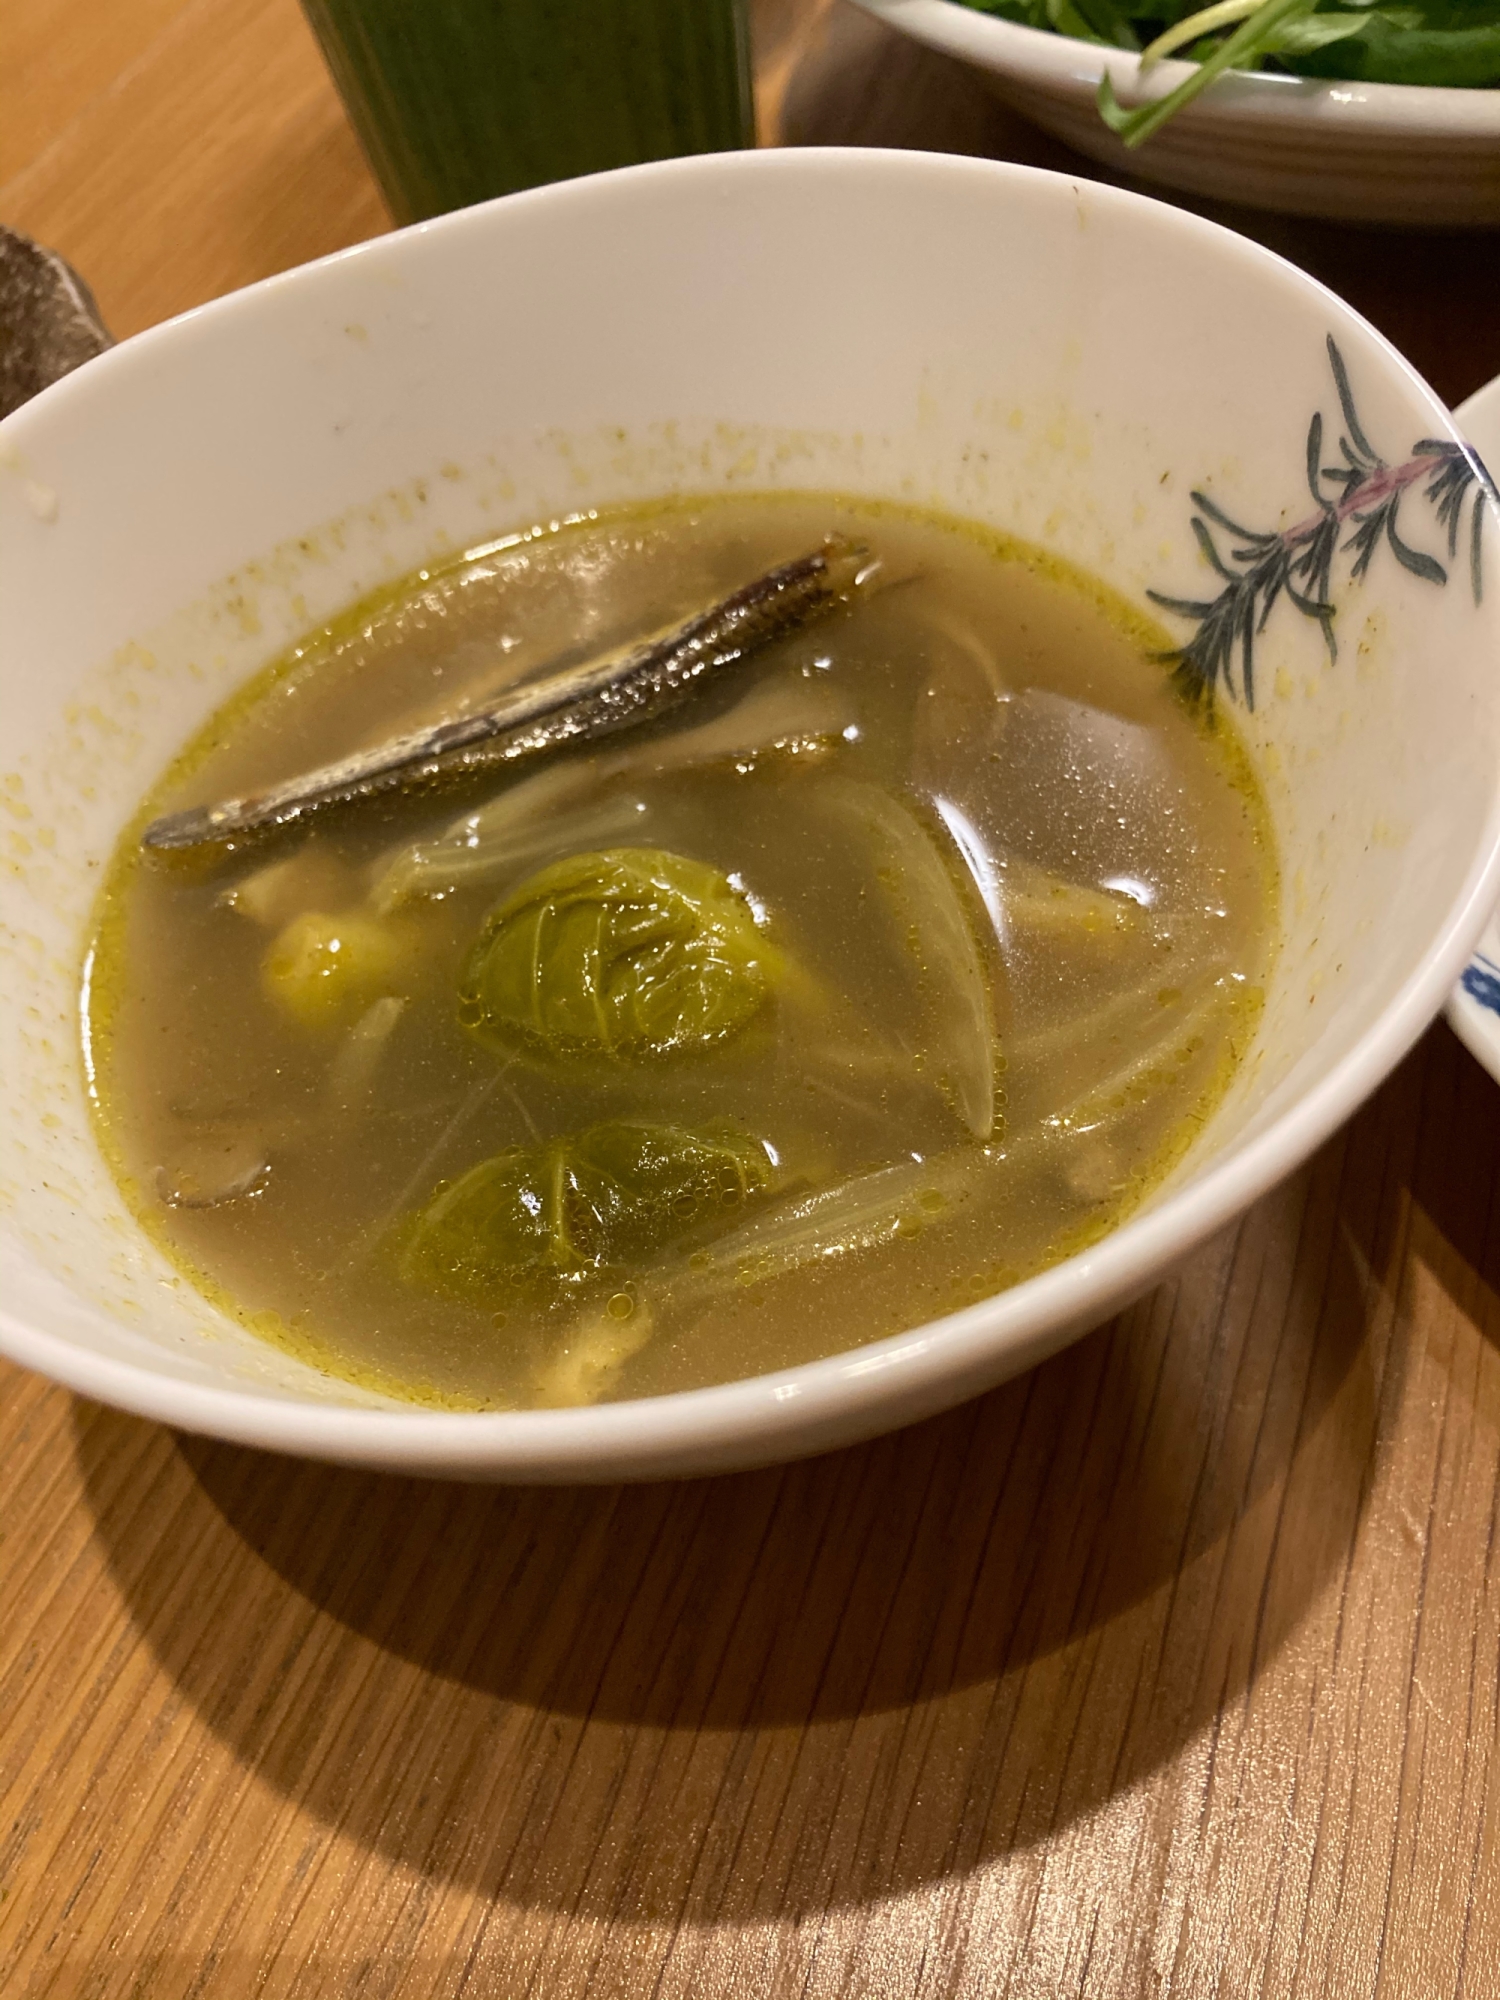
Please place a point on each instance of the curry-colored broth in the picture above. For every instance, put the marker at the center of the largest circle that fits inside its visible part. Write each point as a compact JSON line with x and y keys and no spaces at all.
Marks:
{"x":1109,"y":848}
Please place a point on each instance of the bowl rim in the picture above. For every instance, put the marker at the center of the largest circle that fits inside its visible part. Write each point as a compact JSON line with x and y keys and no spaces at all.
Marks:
{"x":1475,"y":1025}
{"x":882,"y":1384}
{"x":1242,"y":98}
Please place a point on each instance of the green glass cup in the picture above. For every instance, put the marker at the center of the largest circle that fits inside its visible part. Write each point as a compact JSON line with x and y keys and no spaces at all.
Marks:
{"x":458,"y":100}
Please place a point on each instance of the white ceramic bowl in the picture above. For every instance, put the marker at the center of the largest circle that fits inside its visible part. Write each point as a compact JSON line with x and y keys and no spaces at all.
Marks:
{"x":1355,"y":152}
{"x":1474,"y":1009}
{"x":1062,"y":360}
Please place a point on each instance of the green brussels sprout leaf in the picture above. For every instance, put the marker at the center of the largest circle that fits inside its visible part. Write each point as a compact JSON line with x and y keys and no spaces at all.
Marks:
{"x":536,"y":1223}
{"x":628,"y":955}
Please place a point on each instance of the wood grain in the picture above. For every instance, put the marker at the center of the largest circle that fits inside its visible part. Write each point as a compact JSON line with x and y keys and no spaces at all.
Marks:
{"x":216,"y":154}
{"x":1171,"y":1669}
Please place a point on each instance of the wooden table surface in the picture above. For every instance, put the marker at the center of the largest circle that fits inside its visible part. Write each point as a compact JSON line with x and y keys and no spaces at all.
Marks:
{"x":1170,"y":1669}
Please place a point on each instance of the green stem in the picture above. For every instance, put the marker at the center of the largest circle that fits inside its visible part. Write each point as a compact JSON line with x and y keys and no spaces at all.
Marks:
{"x":1207,"y":21}
{"x":1247,"y":40}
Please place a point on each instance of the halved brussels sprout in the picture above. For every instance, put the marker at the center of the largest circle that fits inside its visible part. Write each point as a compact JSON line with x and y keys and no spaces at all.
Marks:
{"x":539,"y":1221}
{"x":629,"y":955}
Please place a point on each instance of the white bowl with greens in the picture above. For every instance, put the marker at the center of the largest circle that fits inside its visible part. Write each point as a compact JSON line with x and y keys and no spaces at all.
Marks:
{"x":1230,"y":454}
{"x":1325,"y":130}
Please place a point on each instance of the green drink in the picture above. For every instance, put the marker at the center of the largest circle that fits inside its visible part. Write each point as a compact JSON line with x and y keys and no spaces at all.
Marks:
{"x":458,"y":100}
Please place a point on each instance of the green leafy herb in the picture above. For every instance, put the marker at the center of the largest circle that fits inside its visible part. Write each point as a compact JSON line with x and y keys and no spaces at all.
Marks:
{"x":628,"y":955}
{"x":1452,"y":43}
{"x":535,"y":1223}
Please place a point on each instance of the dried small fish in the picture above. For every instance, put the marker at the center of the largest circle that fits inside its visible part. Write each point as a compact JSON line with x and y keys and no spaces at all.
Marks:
{"x":571,"y":707}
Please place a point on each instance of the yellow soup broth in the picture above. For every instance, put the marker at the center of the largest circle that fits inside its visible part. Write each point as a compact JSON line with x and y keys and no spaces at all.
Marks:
{"x":897,"y":962}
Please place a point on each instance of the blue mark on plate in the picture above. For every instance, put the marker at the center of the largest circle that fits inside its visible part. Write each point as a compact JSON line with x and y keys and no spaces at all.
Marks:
{"x":1482,"y":982}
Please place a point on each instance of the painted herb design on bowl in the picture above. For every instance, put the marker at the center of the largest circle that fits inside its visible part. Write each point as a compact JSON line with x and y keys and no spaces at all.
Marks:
{"x":1481,"y":981}
{"x":1362,"y":494}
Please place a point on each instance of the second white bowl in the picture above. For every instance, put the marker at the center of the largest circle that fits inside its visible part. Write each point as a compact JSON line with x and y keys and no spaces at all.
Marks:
{"x":1353,"y":152}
